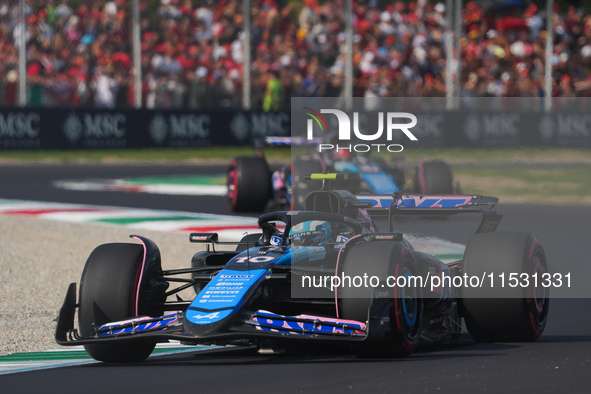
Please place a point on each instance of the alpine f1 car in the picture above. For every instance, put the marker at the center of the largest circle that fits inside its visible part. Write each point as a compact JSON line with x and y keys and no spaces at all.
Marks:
{"x":271,"y":288}
{"x":254,"y":187}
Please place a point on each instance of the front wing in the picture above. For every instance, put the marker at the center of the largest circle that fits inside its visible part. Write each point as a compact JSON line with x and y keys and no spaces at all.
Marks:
{"x":248,"y":325}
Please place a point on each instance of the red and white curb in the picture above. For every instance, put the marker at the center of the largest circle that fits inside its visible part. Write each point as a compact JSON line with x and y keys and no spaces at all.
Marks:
{"x":122,"y":185}
{"x":228,"y":227}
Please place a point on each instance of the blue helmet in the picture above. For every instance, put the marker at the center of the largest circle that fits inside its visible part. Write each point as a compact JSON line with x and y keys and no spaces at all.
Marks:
{"x":311,"y":233}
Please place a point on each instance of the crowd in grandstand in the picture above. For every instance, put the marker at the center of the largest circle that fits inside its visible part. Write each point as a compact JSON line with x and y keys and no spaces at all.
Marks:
{"x":80,"y":53}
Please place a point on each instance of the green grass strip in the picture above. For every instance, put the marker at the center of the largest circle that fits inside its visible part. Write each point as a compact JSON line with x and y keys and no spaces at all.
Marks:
{"x":46,"y":356}
{"x":64,"y":355}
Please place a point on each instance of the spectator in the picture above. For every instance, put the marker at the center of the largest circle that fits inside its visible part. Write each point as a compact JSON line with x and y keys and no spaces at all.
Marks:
{"x":105,"y":86}
{"x":273,"y":100}
{"x":10,"y":87}
{"x":35,"y":78}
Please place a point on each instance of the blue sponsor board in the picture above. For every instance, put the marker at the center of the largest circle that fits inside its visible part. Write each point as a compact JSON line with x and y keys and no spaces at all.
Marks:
{"x":124,"y":128}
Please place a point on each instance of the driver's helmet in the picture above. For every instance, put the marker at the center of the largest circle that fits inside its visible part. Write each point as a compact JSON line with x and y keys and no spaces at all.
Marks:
{"x":311,"y":233}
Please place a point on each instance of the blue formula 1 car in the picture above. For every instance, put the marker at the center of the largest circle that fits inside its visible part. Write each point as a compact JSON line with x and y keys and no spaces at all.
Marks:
{"x":254,"y":187}
{"x":280,"y":286}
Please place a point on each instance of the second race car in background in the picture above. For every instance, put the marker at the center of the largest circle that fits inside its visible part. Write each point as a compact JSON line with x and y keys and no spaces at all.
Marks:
{"x":254,"y":187}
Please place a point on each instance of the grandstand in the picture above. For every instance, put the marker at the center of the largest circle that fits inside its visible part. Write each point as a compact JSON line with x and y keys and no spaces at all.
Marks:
{"x":190,"y":54}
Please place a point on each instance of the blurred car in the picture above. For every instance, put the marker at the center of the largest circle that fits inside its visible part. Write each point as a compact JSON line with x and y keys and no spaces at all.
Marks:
{"x":254,"y":187}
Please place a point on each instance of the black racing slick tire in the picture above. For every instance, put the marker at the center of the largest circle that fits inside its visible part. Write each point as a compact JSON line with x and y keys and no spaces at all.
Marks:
{"x":515,"y":306}
{"x":383,"y":259}
{"x":434,"y":177}
{"x":118,"y":283}
{"x":249,"y":184}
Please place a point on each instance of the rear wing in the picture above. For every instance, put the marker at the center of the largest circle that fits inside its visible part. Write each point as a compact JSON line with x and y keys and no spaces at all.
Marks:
{"x":434,"y":205}
{"x":419,"y":201}
{"x":345,"y":203}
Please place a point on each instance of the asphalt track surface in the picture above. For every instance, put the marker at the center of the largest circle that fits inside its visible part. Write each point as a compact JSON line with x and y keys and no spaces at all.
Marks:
{"x":560,"y":361}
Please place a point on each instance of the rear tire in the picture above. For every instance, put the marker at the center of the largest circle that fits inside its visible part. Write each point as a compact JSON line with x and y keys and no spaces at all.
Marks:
{"x":508,"y":313}
{"x":109,"y":292}
{"x":434,"y":177}
{"x":249,"y":184}
{"x":406,"y":311}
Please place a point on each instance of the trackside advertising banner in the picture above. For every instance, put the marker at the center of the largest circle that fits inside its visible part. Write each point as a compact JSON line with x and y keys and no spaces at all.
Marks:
{"x":59,"y":128}
{"x":428,"y":122}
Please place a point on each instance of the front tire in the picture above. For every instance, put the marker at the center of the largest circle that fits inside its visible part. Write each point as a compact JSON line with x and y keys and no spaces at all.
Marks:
{"x":117,"y":284}
{"x":249,"y":184}
{"x":495,"y":313}
{"x":406,"y":310}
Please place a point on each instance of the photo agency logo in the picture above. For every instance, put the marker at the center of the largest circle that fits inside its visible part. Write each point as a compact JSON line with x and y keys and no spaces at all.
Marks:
{"x":349,"y":134}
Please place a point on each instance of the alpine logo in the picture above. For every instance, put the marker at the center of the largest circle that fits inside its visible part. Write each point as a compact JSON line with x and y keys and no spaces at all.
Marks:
{"x":209,"y":316}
